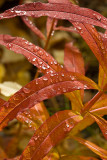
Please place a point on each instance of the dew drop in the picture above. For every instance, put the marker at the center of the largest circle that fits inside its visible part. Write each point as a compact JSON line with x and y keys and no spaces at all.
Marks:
{"x":16,"y":97}
{"x":97,"y":16}
{"x":43,"y":67}
{"x":35,"y":138}
{"x":85,"y":86}
{"x":45,"y":78}
{"x":46,"y":55}
{"x":72,"y":78}
{"x":52,"y":33}
{"x":17,"y":11}
{"x":48,"y":67}
{"x":40,"y":62}
{"x":26,"y":42}
{"x":36,"y":48}
{"x":27,"y":121}
{"x":52,"y":75}
{"x":79,"y":27}
{"x":36,"y":82}
{"x":26,"y":90}
{"x":62,"y":66}
{"x":34,"y":59}
{"x":62,"y":75}
{"x":24,"y":12}
{"x":30,"y":124}
{"x":67,"y":125}
{"x":40,"y":53}
{"x":7,"y":105}
{"x":55,"y":62}
{"x":9,"y":46}
{"x":12,"y":11}
{"x":64,"y":90}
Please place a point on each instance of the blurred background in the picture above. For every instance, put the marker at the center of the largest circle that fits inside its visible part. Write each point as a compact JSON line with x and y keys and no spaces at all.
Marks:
{"x":15,"y":69}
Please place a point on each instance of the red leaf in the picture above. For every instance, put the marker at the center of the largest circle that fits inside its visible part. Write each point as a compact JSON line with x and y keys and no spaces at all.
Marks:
{"x":59,"y":11}
{"x":94,"y":40}
{"x":53,"y":130}
{"x":36,"y":55}
{"x":2,"y":102}
{"x":35,"y":116}
{"x":96,"y":149}
{"x":102,"y":78}
{"x":73,"y":157}
{"x":102,"y":124}
{"x":73,"y":60}
{"x":59,"y":1}
{"x":30,"y":24}
{"x":99,"y":108}
{"x":52,"y":155}
{"x":68,"y":29}
{"x":41,"y":89}
{"x":16,"y":158}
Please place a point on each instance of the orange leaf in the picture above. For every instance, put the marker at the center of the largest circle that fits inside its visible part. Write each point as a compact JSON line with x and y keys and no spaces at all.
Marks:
{"x":102,"y":124}
{"x":95,"y":42}
{"x":36,"y":55}
{"x":50,"y":133}
{"x":40,"y":89}
{"x":34,"y":116}
{"x":102,"y":79}
{"x":67,"y":11}
{"x":74,"y":62}
{"x":77,"y":158}
{"x":96,"y":149}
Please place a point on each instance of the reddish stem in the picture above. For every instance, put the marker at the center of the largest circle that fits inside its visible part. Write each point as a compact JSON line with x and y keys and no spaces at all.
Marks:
{"x":89,"y":104}
{"x":49,"y":36}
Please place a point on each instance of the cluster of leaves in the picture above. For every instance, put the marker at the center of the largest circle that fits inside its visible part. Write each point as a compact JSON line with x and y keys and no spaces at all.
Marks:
{"x":26,"y":104}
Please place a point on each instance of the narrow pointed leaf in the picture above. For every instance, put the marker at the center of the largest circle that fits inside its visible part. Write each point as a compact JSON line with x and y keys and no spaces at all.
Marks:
{"x":12,"y":146}
{"x":102,"y":124}
{"x":101,"y":103}
{"x":59,"y":11}
{"x":2,"y":101}
{"x":59,"y":1}
{"x":53,"y":130}
{"x":53,"y":155}
{"x":30,"y":24}
{"x":96,"y":149}
{"x":77,"y":158}
{"x":95,"y":42}
{"x":35,"y":116}
{"x":74,"y":62}
{"x":102,"y":79}
{"x":99,"y":108}
{"x":68,"y":29}
{"x":40,"y":89}
{"x":16,"y":158}
{"x":2,"y":154}
{"x":36,"y":55}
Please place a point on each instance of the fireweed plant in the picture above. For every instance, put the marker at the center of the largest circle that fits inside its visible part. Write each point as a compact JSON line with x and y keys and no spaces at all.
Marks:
{"x":68,"y":79}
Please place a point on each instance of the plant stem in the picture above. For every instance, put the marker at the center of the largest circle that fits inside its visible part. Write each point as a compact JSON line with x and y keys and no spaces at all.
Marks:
{"x":89,"y":104}
{"x":49,"y":36}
